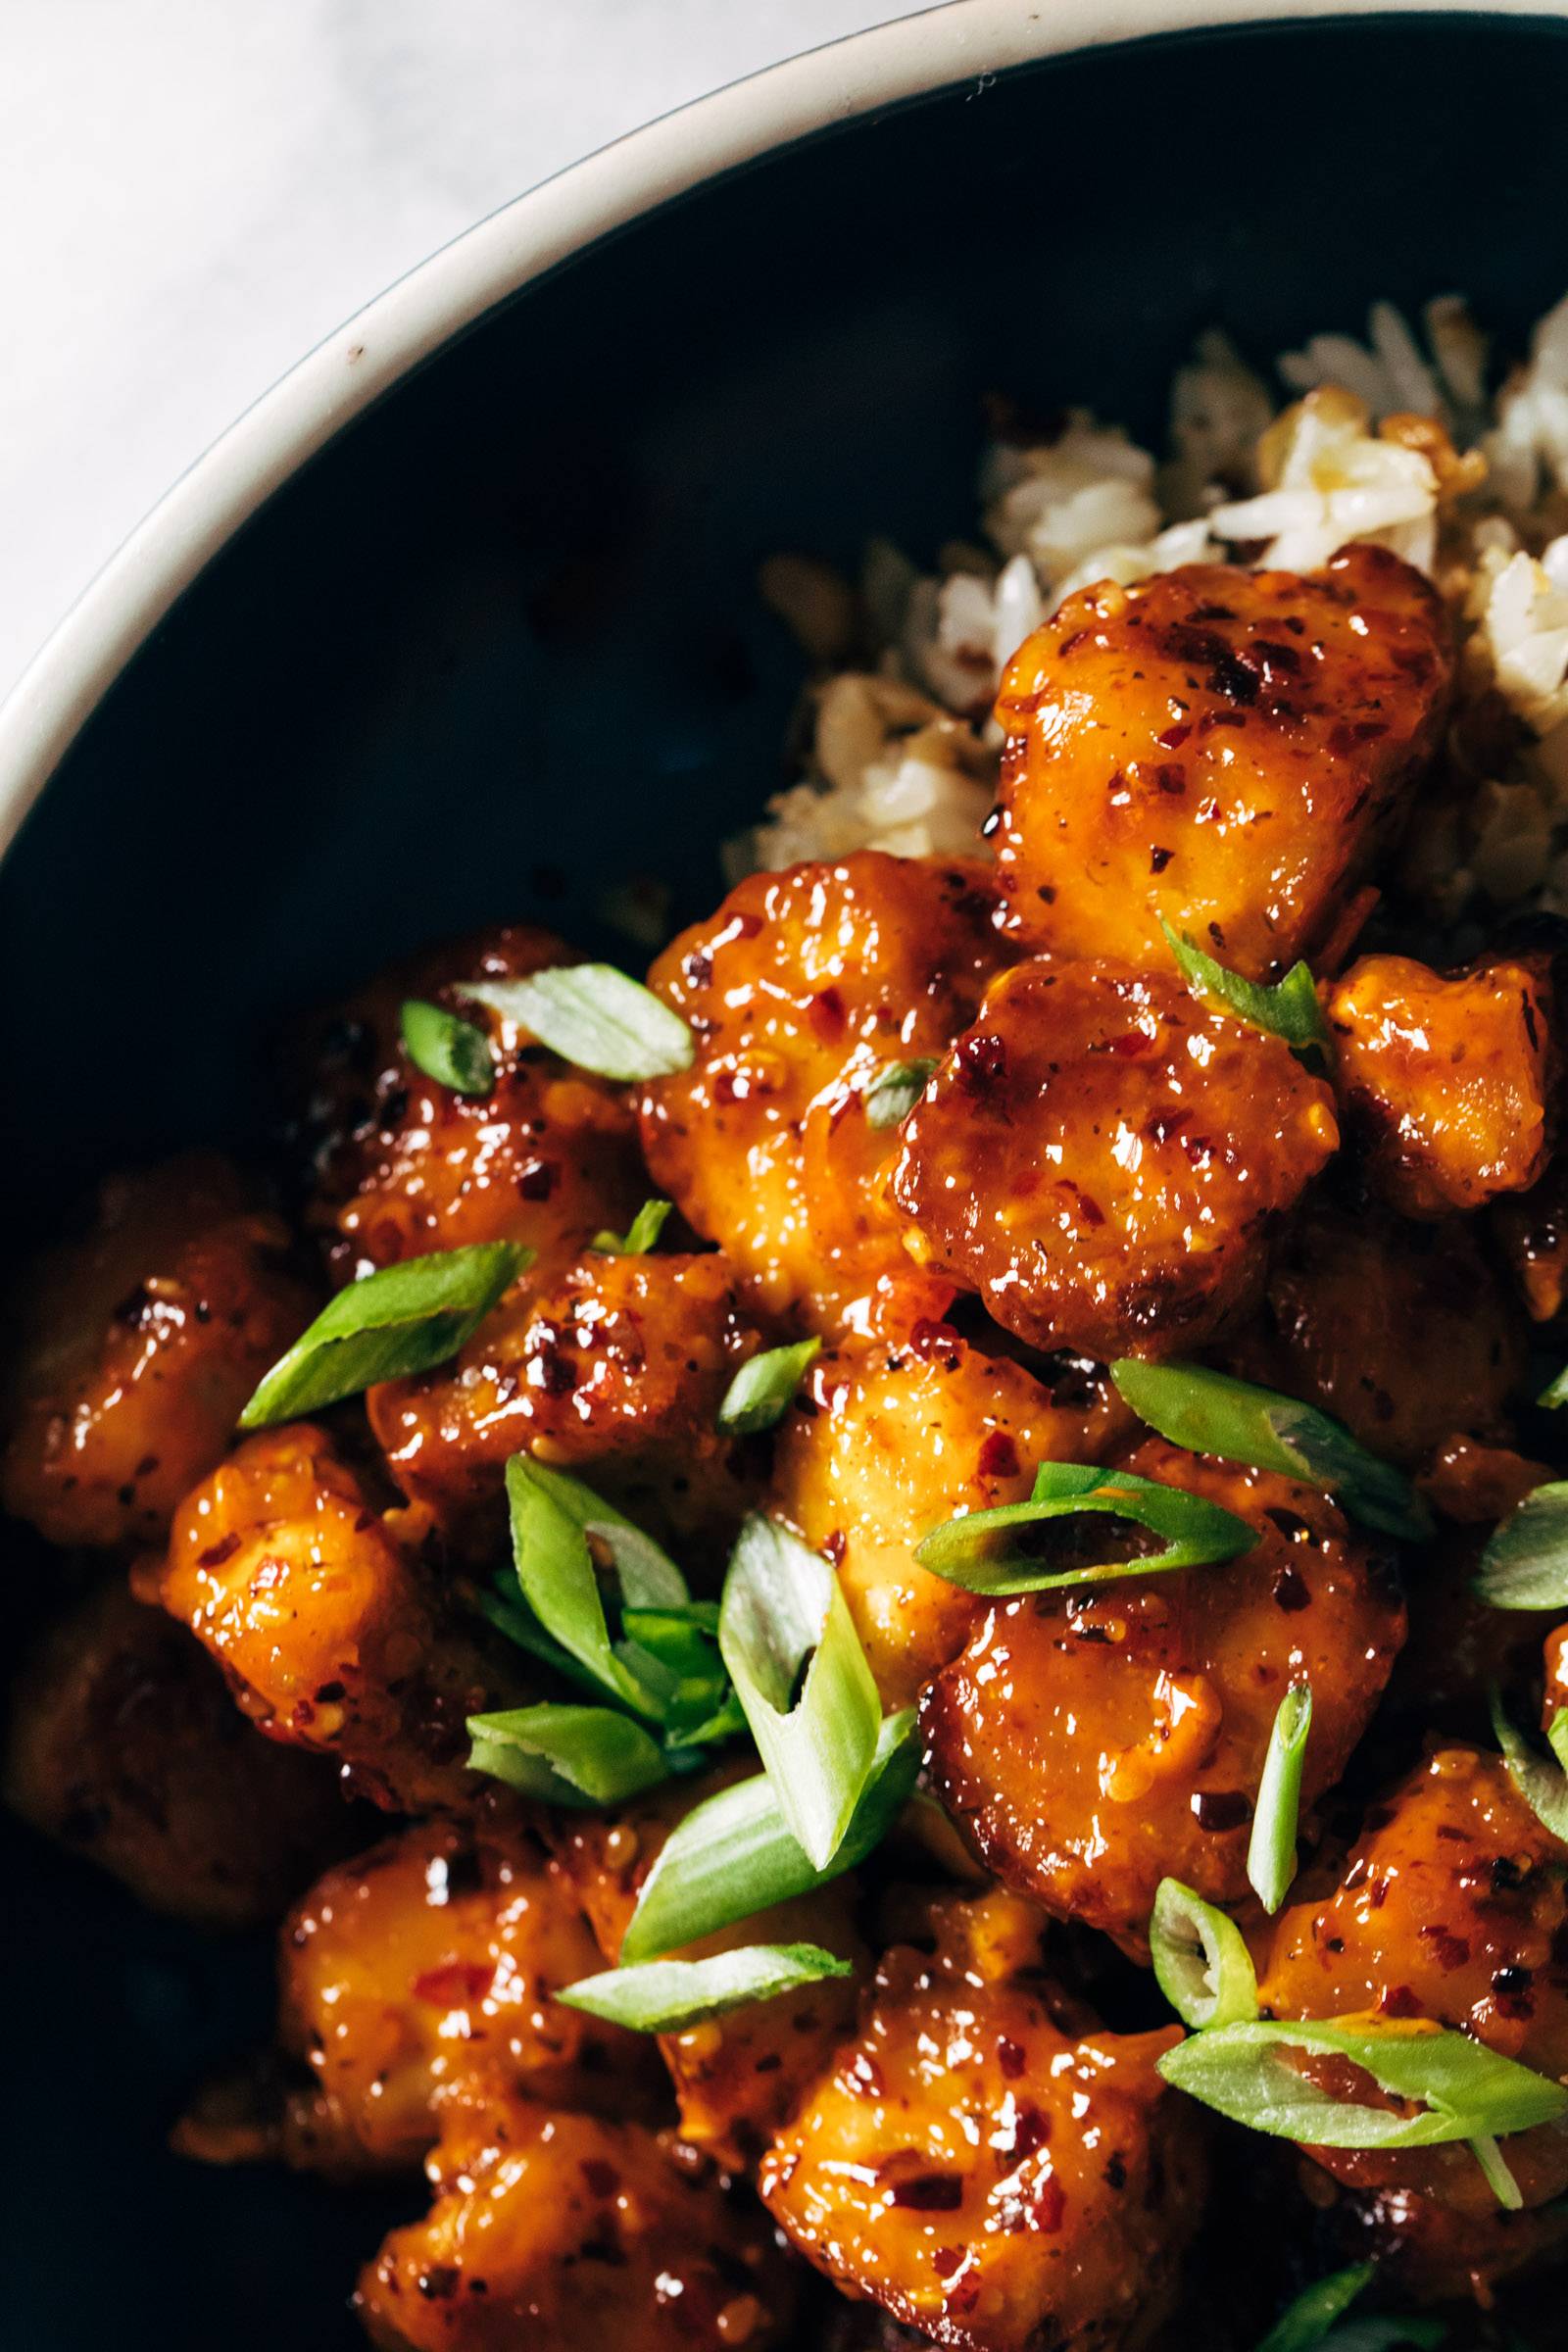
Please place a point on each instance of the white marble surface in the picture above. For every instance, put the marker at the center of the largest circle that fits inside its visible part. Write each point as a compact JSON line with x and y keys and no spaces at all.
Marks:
{"x":195,"y":191}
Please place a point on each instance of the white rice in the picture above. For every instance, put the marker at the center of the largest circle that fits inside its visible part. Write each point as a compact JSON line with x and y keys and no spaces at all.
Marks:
{"x":903,"y":749}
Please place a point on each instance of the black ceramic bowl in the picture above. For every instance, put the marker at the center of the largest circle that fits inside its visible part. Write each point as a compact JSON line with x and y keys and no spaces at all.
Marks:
{"x":495,"y":643}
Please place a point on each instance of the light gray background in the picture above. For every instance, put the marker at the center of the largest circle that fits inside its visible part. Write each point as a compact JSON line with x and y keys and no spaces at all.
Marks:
{"x":195,"y":191}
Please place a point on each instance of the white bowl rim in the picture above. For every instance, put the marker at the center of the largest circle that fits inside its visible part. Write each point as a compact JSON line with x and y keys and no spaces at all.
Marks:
{"x":964,"y":40}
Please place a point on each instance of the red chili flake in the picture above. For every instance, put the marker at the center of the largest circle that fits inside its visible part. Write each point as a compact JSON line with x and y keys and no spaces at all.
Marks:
{"x":833,"y":1549}
{"x":454,"y":1985}
{"x":697,"y":969}
{"x":1010,"y":2058}
{"x":1397,"y":2000}
{"x":1511,"y":1979}
{"x":936,"y":1341}
{"x":439,"y":2284}
{"x":1218,"y":1809}
{"x":1090,"y":1211}
{"x":930,"y":2192}
{"x":536,"y":1179}
{"x":1049,"y":2204}
{"x":604,"y":2182}
{"x":1171,"y":780}
{"x":216,"y":1553}
{"x":1174,"y":737}
{"x":980,"y":1060}
{"x":1032,"y":2133}
{"x":1158,"y":860}
{"x":1450,"y":1951}
{"x":827,"y":1015}
{"x":1070,"y":643}
{"x":998,"y":1457}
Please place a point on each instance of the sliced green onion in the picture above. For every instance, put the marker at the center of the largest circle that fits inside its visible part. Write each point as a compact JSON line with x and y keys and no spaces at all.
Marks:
{"x":665,"y":1997}
{"x":1271,"y":1848}
{"x":1543,"y":1786}
{"x":1201,"y":1963}
{"x":1304,"y":2324}
{"x":641,"y":1234}
{"x":972,"y":1550}
{"x":734,"y":1854}
{"x":795,"y":1658}
{"x":1500,"y":2180}
{"x":1290,"y":1011}
{"x":1525,"y":1566}
{"x":593,"y":1018}
{"x":1555,"y":1392}
{"x":1465,"y":2088}
{"x":401,"y":1320}
{"x":448,"y":1048}
{"x":1211,"y":1412}
{"x":895,"y":1091}
{"x":567,"y":1756}
{"x":762,"y":1388}
{"x":1557,"y":1737}
{"x":554,"y":1519}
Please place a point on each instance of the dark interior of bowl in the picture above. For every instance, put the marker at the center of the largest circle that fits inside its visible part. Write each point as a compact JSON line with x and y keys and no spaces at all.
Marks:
{"x":499,"y":647}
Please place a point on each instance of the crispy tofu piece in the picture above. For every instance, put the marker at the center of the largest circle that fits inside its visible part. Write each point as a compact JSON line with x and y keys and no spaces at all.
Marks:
{"x":801,"y":987}
{"x":987,"y":2165}
{"x":138,"y":1347}
{"x":427,"y":1967}
{"x":615,"y":1374}
{"x":1095,"y":1739}
{"x":330,"y":1633}
{"x":560,"y":2231}
{"x":125,"y":1745}
{"x":1450,"y":1906}
{"x":735,"y":2077}
{"x":1104,"y":1158}
{"x":400,"y":1165}
{"x":1448,"y":1081}
{"x":1402,"y":1332}
{"x":889,"y":1438}
{"x":1230,"y":749}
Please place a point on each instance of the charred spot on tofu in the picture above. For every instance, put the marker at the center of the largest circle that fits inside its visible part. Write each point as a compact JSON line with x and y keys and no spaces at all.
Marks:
{"x":1226,"y":749}
{"x":1104,"y":1159}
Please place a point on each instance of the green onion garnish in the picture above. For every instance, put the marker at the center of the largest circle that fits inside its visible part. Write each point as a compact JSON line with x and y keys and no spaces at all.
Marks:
{"x":641,"y":1234}
{"x":448,"y":1048}
{"x":762,"y":1389}
{"x":1464,"y":2089}
{"x":1543,"y":1786}
{"x":1290,"y":1011}
{"x":593,"y":1018}
{"x":1202,"y":1964}
{"x":665,"y":1997}
{"x":1500,"y":2180}
{"x":556,"y":1520}
{"x":1557,"y":1737}
{"x":895,"y":1091}
{"x":401,"y":1320}
{"x":1555,"y":1392}
{"x":1271,"y":1849}
{"x":734,"y":1854}
{"x":972,"y":1550}
{"x":1525,"y":1566}
{"x":795,"y":1658}
{"x":567,"y":1756}
{"x":1211,"y":1412}
{"x":1304,"y":2325}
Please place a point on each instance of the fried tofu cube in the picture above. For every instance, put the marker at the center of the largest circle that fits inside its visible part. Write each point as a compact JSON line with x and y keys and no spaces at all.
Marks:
{"x":890,"y":1438}
{"x":125,"y":1745}
{"x":1093,"y":1740}
{"x":990,"y":2167}
{"x":559,"y":2232}
{"x":802,"y":990}
{"x":1104,"y":1159}
{"x":138,"y":1347}
{"x":1448,"y":1081}
{"x":331,"y":1636}
{"x":428,"y":1966}
{"x":1230,"y":749}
